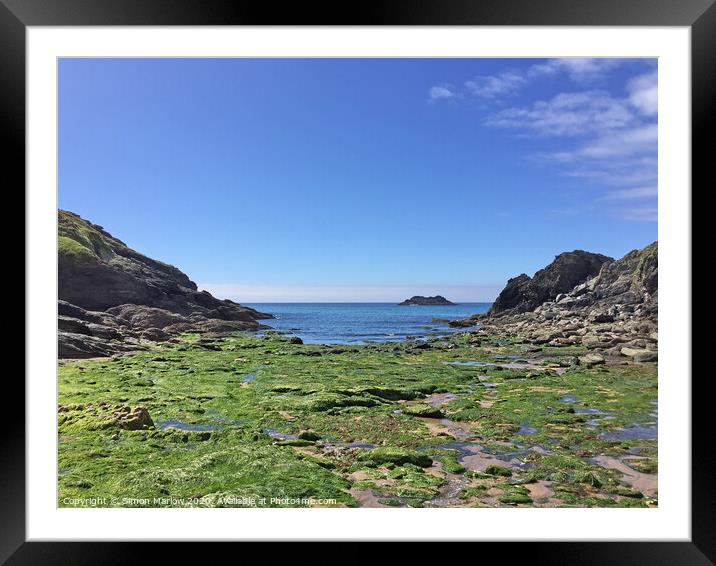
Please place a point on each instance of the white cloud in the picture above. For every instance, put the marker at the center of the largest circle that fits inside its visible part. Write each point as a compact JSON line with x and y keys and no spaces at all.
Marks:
{"x":607,"y":140}
{"x":633,"y":193}
{"x":625,"y":157}
{"x":643,"y":93}
{"x":490,"y":86}
{"x":633,"y":141}
{"x":269,"y":292}
{"x":641,"y":214}
{"x":567,"y":114}
{"x":580,"y":70}
{"x":625,"y":172}
{"x":441,"y":92}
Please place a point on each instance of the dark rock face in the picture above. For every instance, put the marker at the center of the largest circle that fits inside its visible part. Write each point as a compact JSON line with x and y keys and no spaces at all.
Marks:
{"x":97,"y":272}
{"x":524,"y":293}
{"x":112,"y":297}
{"x":72,"y":345}
{"x":420,"y":300}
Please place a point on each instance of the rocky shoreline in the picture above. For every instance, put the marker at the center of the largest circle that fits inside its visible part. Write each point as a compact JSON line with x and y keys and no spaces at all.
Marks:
{"x":113,"y":299}
{"x":612,"y":310}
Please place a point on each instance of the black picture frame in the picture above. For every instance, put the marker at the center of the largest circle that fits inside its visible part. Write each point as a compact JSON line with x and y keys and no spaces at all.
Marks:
{"x":699,"y":15}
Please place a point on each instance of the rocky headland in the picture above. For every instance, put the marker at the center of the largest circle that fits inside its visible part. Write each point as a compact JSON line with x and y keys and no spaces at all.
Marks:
{"x":113,"y":299}
{"x":420,"y":300}
{"x":608,"y":306}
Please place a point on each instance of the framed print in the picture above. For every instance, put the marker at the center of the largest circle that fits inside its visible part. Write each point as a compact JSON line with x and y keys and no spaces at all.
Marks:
{"x":420,"y":275}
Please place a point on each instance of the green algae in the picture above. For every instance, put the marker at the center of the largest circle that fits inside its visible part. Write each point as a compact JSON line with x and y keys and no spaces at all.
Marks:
{"x":451,"y":465}
{"x":407,"y":483}
{"x":396,"y":456}
{"x":514,"y":495}
{"x":422,"y":410}
{"x":362,"y":409}
{"x":495,"y":470}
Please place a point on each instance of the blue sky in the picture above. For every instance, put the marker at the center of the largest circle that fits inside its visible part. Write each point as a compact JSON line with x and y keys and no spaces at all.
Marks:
{"x":361,"y":179}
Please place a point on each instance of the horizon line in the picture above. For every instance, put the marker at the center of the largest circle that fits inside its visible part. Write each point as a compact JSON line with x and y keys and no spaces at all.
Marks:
{"x":349,"y":293}
{"x":265,"y":302}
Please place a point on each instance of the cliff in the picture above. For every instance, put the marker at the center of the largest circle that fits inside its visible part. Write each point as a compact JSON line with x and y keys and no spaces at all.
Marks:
{"x":111,"y":297}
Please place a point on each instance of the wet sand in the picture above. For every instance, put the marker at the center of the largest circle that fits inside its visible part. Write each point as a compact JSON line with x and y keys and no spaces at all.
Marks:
{"x":646,"y":483}
{"x":446,"y":426}
{"x":366,"y":498}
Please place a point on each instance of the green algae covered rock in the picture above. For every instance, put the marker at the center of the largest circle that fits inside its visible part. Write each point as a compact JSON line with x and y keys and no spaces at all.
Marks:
{"x":396,"y":456}
{"x":495,"y":470}
{"x":423,"y":410}
{"x":309,"y":435}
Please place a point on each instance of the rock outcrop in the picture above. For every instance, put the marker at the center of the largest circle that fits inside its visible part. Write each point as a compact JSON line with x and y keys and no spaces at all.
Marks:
{"x":420,"y":300}
{"x":112,"y":298}
{"x":524,"y":293}
{"x":614,"y":311}
{"x":102,"y":416}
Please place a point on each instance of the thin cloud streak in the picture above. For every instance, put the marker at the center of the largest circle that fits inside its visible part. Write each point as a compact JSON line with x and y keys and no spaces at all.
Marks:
{"x":442,"y":92}
{"x":635,"y":193}
{"x":607,"y":139}
{"x":567,"y":114}
{"x":495,"y":85}
{"x":579,"y":70}
{"x":641,"y":214}
{"x":582,"y":71}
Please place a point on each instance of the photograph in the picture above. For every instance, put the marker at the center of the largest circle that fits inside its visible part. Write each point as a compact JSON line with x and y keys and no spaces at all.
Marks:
{"x":295,"y":282}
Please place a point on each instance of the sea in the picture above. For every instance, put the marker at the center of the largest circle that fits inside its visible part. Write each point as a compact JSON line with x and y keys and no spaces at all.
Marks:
{"x":358,"y":323}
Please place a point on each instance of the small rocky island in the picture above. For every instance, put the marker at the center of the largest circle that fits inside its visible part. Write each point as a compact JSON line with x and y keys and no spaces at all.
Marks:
{"x":420,"y":300}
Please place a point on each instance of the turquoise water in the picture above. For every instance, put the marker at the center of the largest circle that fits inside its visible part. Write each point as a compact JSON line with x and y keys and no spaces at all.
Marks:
{"x":356,"y":323}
